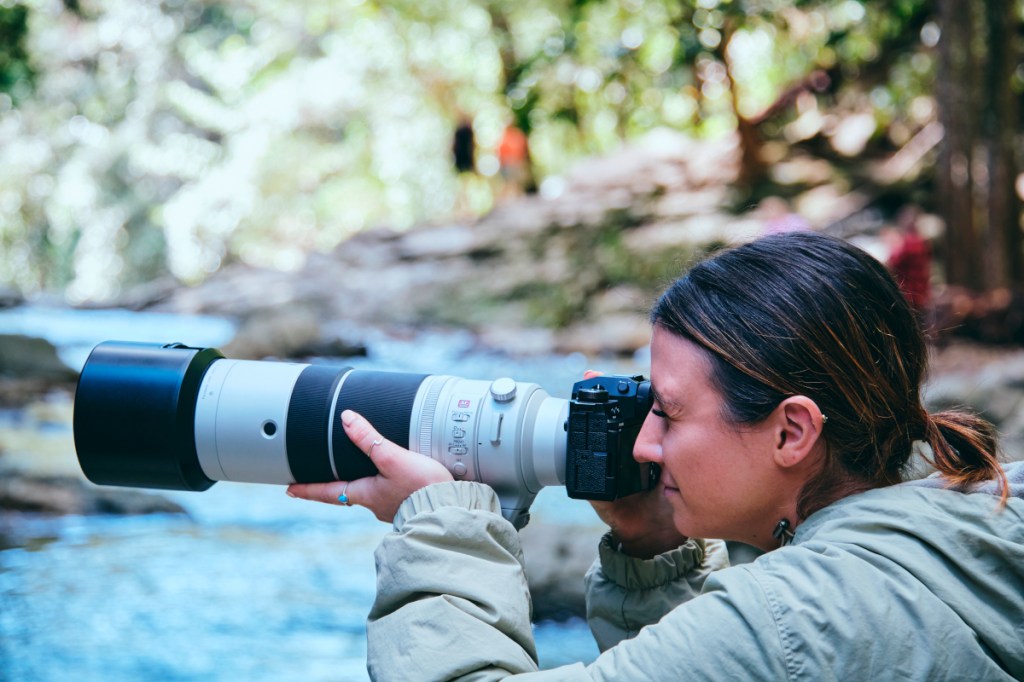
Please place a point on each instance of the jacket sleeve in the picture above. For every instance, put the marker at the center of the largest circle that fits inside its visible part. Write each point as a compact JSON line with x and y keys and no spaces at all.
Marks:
{"x":452,"y":600}
{"x":452,"y":603}
{"x":624,"y":594}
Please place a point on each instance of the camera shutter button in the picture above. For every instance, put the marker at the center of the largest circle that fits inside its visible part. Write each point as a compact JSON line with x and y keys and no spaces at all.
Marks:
{"x":503,"y":390}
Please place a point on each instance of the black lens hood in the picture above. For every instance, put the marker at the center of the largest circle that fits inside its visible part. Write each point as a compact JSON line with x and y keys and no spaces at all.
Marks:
{"x":134,"y":416}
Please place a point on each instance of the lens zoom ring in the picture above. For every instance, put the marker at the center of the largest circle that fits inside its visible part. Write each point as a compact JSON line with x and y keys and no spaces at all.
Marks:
{"x":386,"y":400}
{"x":309,"y":419}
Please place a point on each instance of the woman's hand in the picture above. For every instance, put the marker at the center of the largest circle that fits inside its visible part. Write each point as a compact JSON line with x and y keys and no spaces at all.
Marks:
{"x":642,"y":523}
{"x":401,"y":473}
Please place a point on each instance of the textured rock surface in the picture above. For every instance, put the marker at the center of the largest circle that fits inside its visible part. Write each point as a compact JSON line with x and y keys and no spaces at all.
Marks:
{"x":23,"y":357}
{"x":20,"y":492}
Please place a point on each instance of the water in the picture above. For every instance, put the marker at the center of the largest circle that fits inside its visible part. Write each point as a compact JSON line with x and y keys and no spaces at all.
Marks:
{"x":76,"y":332}
{"x":280,"y":591}
{"x":252,"y":584}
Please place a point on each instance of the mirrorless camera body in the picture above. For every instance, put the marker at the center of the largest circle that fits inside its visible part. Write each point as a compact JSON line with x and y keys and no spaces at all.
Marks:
{"x":605,"y":416}
{"x":175,"y":417}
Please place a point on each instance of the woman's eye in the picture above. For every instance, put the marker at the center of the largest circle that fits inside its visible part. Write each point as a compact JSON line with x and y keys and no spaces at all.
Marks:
{"x":658,"y":413}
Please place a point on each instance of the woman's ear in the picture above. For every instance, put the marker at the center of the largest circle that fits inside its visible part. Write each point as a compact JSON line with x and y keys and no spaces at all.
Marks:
{"x":799,"y":425}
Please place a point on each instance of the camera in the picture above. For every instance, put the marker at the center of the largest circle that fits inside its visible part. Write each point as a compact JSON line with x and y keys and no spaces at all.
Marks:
{"x":175,"y":417}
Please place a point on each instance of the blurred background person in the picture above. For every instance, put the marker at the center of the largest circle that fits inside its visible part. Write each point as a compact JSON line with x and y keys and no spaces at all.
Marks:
{"x":910,"y":260}
{"x":464,"y":161}
{"x":514,"y":160}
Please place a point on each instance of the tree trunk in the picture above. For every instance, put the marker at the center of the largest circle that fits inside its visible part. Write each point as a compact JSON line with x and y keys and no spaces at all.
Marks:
{"x":1002,"y":234}
{"x":753,"y":169}
{"x":977,"y":169}
{"x":954,"y":92}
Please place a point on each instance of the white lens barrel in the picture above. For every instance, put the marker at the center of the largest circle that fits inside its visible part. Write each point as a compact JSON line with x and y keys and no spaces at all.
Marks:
{"x":509,"y":435}
{"x":241,"y":420}
{"x":544,"y":441}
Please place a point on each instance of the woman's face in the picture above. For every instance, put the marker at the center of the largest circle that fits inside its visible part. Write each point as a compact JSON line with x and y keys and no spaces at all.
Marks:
{"x":718,"y":477}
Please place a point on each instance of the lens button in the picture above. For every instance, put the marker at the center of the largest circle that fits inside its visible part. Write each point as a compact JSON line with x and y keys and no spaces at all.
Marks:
{"x":503,"y":390}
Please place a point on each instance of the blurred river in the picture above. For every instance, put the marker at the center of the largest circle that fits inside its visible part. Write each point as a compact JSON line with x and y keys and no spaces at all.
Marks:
{"x":251,"y":584}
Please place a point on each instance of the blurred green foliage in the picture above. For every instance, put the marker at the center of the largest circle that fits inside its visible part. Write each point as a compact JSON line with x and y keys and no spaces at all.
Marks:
{"x":149,"y":138}
{"x":16,"y":74}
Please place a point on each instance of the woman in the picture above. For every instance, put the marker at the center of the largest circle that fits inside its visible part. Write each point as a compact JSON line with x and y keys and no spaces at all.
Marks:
{"x":786,"y":375}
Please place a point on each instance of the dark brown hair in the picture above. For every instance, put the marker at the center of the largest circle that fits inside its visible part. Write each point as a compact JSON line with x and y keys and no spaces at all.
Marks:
{"x":807,"y":314}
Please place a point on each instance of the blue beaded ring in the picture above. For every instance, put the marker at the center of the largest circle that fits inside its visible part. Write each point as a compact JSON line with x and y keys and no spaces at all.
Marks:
{"x":343,"y":497}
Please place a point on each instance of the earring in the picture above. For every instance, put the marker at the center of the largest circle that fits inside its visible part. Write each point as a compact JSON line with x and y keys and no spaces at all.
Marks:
{"x":782,"y":533}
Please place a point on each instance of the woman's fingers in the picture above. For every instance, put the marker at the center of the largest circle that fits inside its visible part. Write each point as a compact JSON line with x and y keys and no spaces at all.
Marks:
{"x":379,"y":449}
{"x":400,"y":473}
{"x":361,"y":432}
{"x":321,"y":492}
{"x":366,"y":438}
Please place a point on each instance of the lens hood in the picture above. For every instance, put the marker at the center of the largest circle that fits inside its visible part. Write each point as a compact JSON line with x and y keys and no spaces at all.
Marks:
{"x":130,"y":394}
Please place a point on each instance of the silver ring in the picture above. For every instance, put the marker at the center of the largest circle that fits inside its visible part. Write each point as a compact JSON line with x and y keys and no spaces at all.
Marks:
{"x":376,"y":443}
{"x":343,"y":497}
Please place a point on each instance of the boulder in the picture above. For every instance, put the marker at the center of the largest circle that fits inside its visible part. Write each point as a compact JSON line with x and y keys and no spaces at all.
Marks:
{"x":557,"y":558}
{"x":985,"y":379}
{"x":293,"y":332}
{"x":28,"y":356}
{"x":10,"y":298}
{"x":70,"y":495}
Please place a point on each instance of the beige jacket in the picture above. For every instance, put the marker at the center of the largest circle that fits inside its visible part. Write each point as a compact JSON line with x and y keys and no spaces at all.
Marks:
{"x":907,"y":582}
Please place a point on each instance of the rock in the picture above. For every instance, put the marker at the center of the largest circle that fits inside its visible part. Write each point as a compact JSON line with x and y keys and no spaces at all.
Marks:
{"x":16,"y":392}
{"x":988,"y":380}
{"x":995,"y":317}
{"x":9,"y":298}
{"x":516,"y":341}
{"x":693,"y":232}
{"x":71,"y":495}
{"x":292,"y":332}
{"x":623,"y":298}
{"x":615,"y":334}
{"x":557,"y":558}
{"x":28,"y":356}
{"x":448,"y":241}
{"x":142,"y":295}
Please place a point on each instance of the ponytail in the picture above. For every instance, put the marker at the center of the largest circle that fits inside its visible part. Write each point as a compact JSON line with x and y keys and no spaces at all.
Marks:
{"x":964,"y":448}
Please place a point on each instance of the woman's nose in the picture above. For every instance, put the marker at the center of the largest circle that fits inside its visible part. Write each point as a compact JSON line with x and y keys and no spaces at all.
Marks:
{"x":648,"y":442}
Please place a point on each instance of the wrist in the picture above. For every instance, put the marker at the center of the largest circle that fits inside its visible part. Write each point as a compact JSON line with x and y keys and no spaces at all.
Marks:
{"x":646,"y":546}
